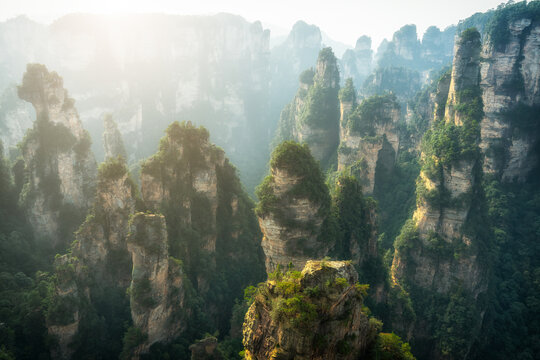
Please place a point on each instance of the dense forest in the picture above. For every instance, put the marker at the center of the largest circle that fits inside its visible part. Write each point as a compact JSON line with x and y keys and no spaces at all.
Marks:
{"x":302,"y":205}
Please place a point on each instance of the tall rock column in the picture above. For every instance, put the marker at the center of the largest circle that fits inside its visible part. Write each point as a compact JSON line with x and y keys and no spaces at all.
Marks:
{"x":98,"y":259}
{"x":293,"y":206}
{"x":438,"y":253}
{"x":313,"y":116}
{"x":61,"y":169}
{"x":181,"y":181}
{"x":210,"y":222}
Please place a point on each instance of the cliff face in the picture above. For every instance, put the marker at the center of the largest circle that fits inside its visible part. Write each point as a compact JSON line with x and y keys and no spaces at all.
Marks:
{"x":291,"y":319}
{"x":60,"y":167}
{"x":438,"y":251}
{"x":183,"y":184}
{"x":210,"y":222}
{"x":293,"y":207}
{"x":157,"y":284}
{"x":99,"y":257}
{"x":511,"y":95}
{"x":313,"y":115}
{"x":284,"y":244}
{"x":369,"y":137}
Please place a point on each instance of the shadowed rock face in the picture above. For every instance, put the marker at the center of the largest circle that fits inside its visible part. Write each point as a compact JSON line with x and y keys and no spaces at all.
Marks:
{"x":157,"y":290}
{"x":335,"y":315}
{"x":457,"y":181}
{"x":376,"y":145}
{"x":61,"y":168}
{"x":187,"y":168}
{"x":510,"y":83}
{"x":438,"y":255}
{"x":99,"y":255}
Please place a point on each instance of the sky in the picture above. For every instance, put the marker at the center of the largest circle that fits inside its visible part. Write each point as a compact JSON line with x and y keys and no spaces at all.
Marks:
{"x":342,"y":20}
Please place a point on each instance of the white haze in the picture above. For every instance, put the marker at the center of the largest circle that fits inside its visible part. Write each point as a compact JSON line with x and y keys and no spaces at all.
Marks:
{"x":342,"y":20}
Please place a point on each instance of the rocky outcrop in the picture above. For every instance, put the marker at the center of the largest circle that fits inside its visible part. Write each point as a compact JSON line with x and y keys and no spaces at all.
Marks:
{"x":157,"y":286}
{"x":315,"y":314}
{"x":313,"y":116}
{"x":60,"y":167}
{"x":112,"y":139}
{"x":511,"y":95}
{"x":294,"y":204}
{"x":369,"y":138}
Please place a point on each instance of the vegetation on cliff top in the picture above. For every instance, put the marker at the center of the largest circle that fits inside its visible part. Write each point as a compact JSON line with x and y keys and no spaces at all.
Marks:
{"x":373,"y":111}
{"x":296,"y":160}
{"x":497,"y":28}
{"x":303,"y":302}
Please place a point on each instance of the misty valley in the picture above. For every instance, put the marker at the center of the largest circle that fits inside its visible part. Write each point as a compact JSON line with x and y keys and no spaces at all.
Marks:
{"x":191,"y":187}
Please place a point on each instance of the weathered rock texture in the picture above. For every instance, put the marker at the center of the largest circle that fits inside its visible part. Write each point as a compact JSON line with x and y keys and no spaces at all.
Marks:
{"x":293,"y":208}
{"x":157,"y":284}
{"x":369,"y":138}
{"x":331,"y":319}
{"x":99,"y":256}
{"x":60,"y":167}
{"x":456,"y":180}
{"x":184,"y":181}
{"x":112,"y":139}
{"x":313,"y":115}
{"x":210,"y":222}
{"x":435,"y":254}
{"x":510,"y":82}
{"x":291,"y":244}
